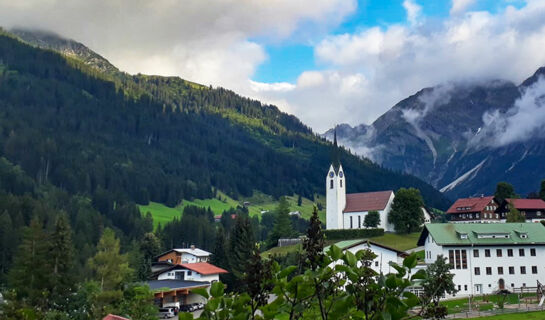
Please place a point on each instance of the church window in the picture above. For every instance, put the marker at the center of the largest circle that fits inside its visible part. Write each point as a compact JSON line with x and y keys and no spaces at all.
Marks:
{"x":359,"y":222}
{"x":351,"y":227}
{"x":341,"y":183}
{"x":331,"y":184}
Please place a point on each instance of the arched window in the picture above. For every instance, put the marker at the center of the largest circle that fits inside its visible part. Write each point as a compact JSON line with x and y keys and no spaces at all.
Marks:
{"x":331,"y":184}
{"x":341,"y":183}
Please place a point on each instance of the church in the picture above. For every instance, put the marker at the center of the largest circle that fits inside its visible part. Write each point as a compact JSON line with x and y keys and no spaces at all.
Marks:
{"x":348,"y":211}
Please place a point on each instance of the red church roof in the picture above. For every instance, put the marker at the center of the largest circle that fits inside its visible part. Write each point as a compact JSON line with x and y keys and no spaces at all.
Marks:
{"x":470,"y":205}
{"x":367,"y":201}
{"x":204,"y":268}
{"x":527,"y":203}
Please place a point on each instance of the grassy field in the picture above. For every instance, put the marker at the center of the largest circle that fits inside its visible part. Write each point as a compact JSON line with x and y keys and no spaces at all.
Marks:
{"x":516,"y":316}
{"x":258,"y":203}
{"x":396,"y":241}
{"x":483,"y":303}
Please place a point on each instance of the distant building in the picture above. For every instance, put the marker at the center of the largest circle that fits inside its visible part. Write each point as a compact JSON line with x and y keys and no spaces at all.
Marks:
{"x":486,"y":209}
{"x":385,"y":254}
{"x":295,"y":213}
{"x":348,"y":211}
{"x":486,"y":258}
{"x":178,"y":271}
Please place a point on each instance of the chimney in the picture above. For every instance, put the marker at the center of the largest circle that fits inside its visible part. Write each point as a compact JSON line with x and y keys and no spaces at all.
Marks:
{"x":482,"y":195}
{"x":192,"y":247}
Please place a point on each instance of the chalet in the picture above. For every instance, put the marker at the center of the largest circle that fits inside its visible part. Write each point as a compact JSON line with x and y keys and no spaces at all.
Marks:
{"x":177,"y":272}
{"x":532,"y":209}
{"x":481,"y":209}
{"x":384,"y":254}
{"x":186,"y":255}
{"x":486,"y":258}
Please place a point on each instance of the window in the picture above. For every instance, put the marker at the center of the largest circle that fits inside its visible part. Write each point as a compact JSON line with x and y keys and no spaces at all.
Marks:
{"x":451,"y":258}
{"x":465,"y":287}
{"x":487,"y":253}
{"x":499,"y":252}
{"x":477,"y":271}
{"x":534,"y":269}
{"x":457,"y":255}
{"x":512,"y":285}
{"x":359,"y":222}
{"x":341,"y":181}
{"x":500,"y":270}
{"x":459,"y":288}
{"x":521,"y":252}
{"x":189,"y":273}
{"x":511,"y":270}
{"x":475,"y":253}
{"x":351,"y":226}
{"x":510,"y":252}
{"x":331,"y":184}
{"x":533,"y":252}
{"x":488,"y":270}
{"x":522,"y":270}
{"x":464,"y":259}
{"x":376,"y":263}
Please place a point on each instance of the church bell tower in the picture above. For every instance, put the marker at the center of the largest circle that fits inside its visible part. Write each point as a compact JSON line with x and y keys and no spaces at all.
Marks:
{"x":335,"y":197}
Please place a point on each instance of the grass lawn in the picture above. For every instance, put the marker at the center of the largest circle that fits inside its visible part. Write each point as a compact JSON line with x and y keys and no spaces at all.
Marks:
{"x":517,"y":316}
{"x":398,"y":241}
{"x":483,"y":302}
{"x":160,"y":213}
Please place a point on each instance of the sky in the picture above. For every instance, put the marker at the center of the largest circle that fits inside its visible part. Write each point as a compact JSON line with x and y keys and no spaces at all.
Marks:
{"x":325,"y":61}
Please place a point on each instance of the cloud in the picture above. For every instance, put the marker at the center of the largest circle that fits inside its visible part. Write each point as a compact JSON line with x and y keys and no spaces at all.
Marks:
{"x":413,"y":11}
{"x":460,"y":6}
{"x":524,"y":121}
{"x":211,"y":42}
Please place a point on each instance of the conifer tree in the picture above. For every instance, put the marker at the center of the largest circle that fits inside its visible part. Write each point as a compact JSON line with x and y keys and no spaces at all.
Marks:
{"x":241,"y":245}
{"x":29,"y":273}
{"x":314,"y":242}
{"x":282,"y":223}
{"x":61,"y":259}
{"x":542,"y":190}
{"x":220,"y":255}
{"x":7,"y":235}
{"x":258,"y":280}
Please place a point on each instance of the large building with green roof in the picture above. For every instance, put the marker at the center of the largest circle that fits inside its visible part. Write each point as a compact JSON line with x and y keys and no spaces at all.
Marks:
{"x":486,"y":258}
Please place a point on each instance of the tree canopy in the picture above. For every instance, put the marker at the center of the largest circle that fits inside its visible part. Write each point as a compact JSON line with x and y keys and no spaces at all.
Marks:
{"x":406,"y":214}
{"x":504,"y":190}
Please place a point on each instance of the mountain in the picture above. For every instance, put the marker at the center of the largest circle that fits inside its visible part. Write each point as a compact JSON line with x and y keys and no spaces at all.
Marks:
{"x":78,"y":123}
{"x":462,"y":138}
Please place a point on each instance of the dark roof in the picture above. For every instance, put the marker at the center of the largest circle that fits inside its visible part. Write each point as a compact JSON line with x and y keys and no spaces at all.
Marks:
{"x":367,"y":201}
{"x":527,"y":203}
{"x":176,"y":284}
{"x":470,"y":204}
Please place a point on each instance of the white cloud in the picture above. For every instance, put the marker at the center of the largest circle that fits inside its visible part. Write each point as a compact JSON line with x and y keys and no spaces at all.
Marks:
{"x":460,"y":6}
{"x":413,"y":11}
{"x":520,"y":123}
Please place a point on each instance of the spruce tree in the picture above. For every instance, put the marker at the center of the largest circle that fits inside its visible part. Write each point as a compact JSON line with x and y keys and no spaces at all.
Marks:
{"x":282,"y":223}
{"x":219,"y":257}
{"x":314,"y":242}
{"x":29,"y":274}
{"x":7,"y":235}
{"x":504,"y":190}
{"x":61,"y":258}
{"x":542,"y":190}
{"x":258,"y":280}
{"x":241,"y":245}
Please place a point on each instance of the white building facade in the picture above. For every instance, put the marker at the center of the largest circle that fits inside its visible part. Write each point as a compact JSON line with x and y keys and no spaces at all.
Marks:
{"x":384,"y":254}
{"x":348,"y":211}
{"x":486,"y":258}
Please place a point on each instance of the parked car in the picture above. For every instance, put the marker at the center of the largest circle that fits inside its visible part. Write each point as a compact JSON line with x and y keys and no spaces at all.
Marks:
{"x":187,"y":308}
{"x":165,"y":313}
{"x":198,"y":305}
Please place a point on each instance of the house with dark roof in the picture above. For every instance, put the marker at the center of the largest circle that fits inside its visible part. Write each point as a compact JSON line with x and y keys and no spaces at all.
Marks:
{"x":532,"y":209}
{"x":480,"y":209}
{"x":488,"y":257}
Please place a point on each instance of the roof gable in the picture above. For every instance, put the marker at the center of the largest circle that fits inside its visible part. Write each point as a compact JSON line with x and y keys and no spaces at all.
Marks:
{"x":484,"y":233}
{"x":367,"y":201}
{"x":347,"y":244}
{"x":465,"y":205}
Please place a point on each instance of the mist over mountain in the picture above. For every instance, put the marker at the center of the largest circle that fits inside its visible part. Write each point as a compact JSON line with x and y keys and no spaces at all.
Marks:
{"x":462,"y":137}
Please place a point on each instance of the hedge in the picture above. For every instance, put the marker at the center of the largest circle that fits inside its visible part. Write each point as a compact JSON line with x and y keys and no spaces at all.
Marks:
{"x":343,"y":234}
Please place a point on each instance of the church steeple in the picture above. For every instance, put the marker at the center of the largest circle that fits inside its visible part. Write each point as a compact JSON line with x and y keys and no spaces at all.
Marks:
{"x":335,"y":157}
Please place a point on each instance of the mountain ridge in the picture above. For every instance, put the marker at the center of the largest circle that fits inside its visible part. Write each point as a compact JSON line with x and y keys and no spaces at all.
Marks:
{"x":460,"y":137}
{"x":195,"y":138}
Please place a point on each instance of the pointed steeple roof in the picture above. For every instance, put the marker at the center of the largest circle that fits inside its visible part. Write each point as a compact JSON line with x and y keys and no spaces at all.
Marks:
{"x":335,"y":154}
